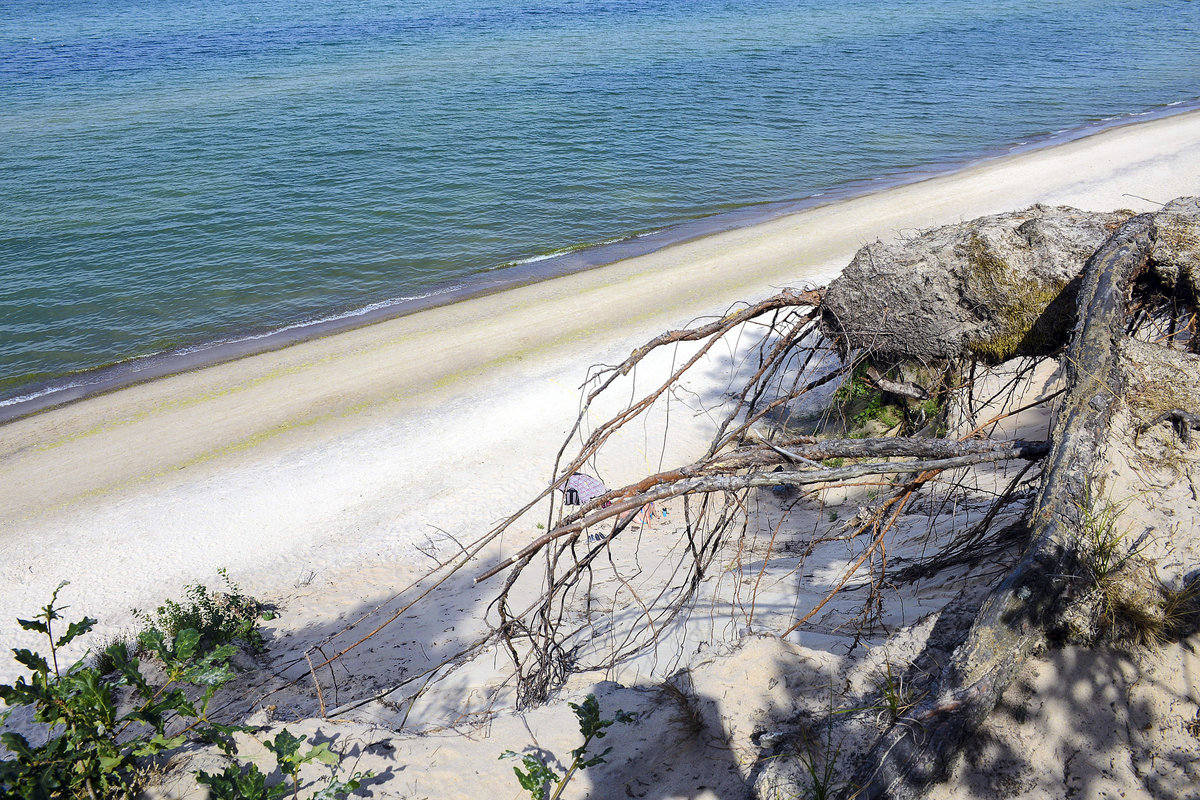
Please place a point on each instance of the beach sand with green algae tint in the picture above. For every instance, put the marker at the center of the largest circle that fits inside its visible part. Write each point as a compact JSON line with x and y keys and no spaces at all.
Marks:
{"x":177,"y":176}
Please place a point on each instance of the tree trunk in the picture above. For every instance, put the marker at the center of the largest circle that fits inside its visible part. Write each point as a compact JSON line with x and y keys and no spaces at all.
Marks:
{"x":920,"y":748}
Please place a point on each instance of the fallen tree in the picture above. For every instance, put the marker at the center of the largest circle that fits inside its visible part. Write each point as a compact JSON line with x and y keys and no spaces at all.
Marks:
{"x":846,"y":374}
{"x":911,"y":322}
{"x":1027,"y":606}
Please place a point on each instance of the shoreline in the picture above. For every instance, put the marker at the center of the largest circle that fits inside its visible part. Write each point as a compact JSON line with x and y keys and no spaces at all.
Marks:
{"x":341,"y":456}
{"x":39,"y":396}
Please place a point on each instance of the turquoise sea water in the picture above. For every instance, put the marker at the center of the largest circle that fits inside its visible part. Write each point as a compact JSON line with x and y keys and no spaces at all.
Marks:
{"x":178,"y":174}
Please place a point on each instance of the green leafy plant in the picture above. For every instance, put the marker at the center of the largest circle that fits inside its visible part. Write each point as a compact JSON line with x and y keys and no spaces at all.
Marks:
{"x":247,"y":782}
{"x":92,"y":749}
{"x":855,"y":387}
{"x":929,"y":409}
{"x":537,"y":776}
{"x":221,"y":617}
{"x":876,"y":409}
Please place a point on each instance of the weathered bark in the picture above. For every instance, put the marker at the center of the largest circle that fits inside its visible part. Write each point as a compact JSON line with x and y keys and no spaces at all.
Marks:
{"x":902,"y":388}
{"x":809,"y":449}
{"x":1176,"y":256}
{"x":1013,"y":622}
{"x":988,"y":289}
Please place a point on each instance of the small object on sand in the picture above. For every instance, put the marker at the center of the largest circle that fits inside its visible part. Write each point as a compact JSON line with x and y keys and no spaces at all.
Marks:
{"x":582,"y":489}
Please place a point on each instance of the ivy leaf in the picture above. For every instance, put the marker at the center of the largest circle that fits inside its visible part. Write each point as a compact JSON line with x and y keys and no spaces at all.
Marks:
{"x":17,"y":744}
{"x":96,"y":695}
{"x":152,"y":641}
{"x":208,"y":675}
{"x":239,"y":782}
{"x":157,"y":744}
{"x":538,"y":777}
{"x":111,"y":763}
{"x":130,"y":671}
{"x":594,"y":760}
{"x":285,"y":746}
{"x":221,"y":736}
{"x":338,"y":789}
{"x":322,"y":753}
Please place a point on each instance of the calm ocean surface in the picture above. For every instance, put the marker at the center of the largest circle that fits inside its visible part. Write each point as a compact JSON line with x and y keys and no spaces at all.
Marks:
{"x":178,"y":174}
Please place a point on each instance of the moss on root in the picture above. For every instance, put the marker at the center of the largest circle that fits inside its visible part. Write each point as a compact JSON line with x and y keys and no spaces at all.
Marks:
{"x":1028,"y":318}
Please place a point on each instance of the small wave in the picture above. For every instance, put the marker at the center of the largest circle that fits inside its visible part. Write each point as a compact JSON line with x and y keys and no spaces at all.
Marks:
{"x":566,"y":251}
{"x":357,"y":312}
{"x":102,"y":377}
{"x":25,"y":398}
{"x":532,"y":259}
{"x":575,"y":248}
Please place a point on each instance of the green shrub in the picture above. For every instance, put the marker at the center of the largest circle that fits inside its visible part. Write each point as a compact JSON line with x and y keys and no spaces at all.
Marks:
{"x":221,"y":617}
{"x":855,"y":387}
{"x":876,"y":409}
{"x":247,"y":782}
{"x":92,"y":750}
{"x":95,"y":751}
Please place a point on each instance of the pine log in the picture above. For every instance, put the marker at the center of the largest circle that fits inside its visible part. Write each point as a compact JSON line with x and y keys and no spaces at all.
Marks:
{"x":920,"y":748}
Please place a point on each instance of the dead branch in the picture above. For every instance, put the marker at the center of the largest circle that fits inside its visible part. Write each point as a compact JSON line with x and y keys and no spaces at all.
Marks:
{"x":676,"y":484}
{"x":758,"y":444}
{"x":904,"y":388}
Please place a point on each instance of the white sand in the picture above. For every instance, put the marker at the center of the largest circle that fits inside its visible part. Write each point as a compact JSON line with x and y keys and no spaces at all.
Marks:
{"x":314,"y":473}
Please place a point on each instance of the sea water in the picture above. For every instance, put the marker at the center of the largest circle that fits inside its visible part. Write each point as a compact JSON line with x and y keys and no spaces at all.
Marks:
{"x":180,"y":175}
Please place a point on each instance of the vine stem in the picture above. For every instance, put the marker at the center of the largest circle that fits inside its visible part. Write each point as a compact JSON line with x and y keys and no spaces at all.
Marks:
{"x":570,"y":771}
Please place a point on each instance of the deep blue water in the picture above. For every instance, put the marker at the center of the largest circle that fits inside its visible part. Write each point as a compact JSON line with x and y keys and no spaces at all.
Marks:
{"x":174,"y":174}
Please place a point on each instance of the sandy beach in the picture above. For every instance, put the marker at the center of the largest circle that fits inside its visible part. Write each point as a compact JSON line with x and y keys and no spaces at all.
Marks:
{"x":321,"y":475}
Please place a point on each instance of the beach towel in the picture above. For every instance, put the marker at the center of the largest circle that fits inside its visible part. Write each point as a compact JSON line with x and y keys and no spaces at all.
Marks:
{"x":582,"y":489}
